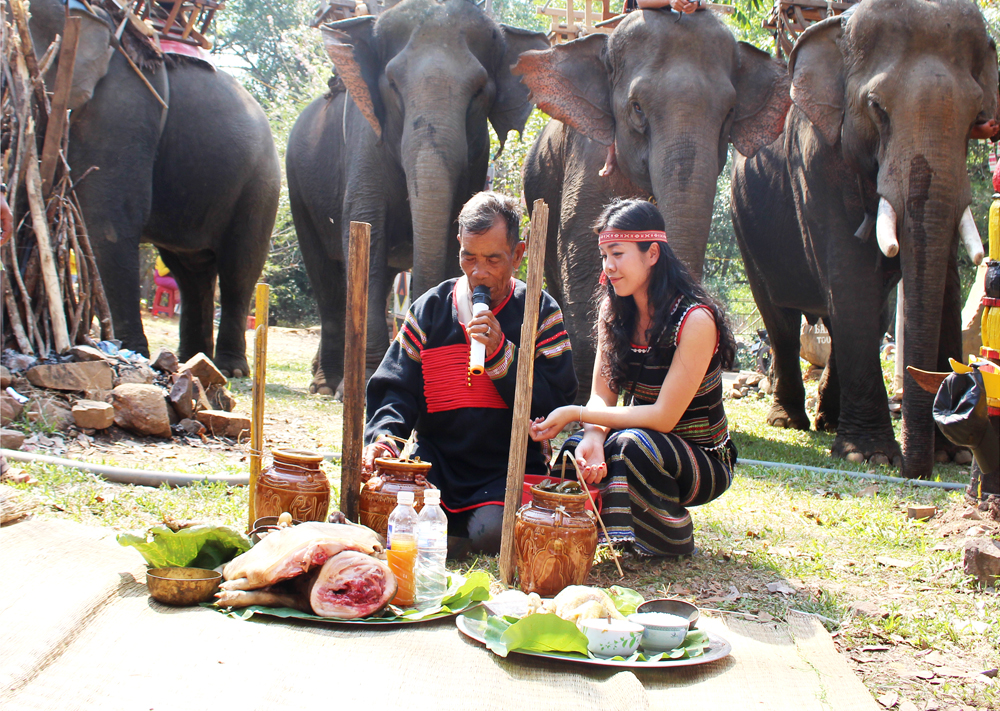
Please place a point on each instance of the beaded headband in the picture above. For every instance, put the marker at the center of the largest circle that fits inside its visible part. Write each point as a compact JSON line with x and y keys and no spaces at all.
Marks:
{"x":631,"y":236}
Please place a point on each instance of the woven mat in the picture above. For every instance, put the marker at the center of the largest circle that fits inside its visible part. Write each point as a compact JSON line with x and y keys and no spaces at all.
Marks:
{"x":80,"y":632}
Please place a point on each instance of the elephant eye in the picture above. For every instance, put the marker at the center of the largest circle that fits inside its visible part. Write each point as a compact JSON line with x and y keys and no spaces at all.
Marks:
{"x":637,"y":108}
{"x":878,"y":111}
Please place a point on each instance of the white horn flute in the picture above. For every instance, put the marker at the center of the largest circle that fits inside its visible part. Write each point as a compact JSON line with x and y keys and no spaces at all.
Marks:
{"x":969,"y":233}
{"x":885,"y":229}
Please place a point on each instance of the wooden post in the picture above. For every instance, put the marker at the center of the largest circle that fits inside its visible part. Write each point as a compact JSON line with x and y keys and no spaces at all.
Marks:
{"x":60,"y":98}
{"x":259,"y":381}
{"x":897,"y":380}
{"x":522,"y":394}
{"x":355,"y":340}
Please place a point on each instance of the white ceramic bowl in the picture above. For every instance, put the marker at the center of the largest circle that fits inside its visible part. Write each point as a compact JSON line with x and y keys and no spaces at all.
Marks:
{"x":661,"y":631}
{"x":611,"y":638}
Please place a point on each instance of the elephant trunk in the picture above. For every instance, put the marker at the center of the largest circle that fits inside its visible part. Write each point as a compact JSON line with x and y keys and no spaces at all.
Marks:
{"x":683,"y":171}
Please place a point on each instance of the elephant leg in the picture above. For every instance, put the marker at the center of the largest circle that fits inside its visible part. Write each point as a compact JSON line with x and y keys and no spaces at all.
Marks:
{"x":828,"y":396}
{"x":783,"y":327}
{"x":195,"y":275}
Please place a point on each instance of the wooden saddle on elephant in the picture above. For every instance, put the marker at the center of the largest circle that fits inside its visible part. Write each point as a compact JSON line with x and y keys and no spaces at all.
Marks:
{"x":180,"y":21}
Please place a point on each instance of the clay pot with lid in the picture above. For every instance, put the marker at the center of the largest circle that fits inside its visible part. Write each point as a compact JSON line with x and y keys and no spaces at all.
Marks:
{"x":378,"y":496}
{"x":555,"y":539}
{"x":294,"y":482}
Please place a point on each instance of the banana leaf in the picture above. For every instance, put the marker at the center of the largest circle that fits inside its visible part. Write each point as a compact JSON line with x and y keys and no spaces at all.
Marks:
{"x":196,"y":546}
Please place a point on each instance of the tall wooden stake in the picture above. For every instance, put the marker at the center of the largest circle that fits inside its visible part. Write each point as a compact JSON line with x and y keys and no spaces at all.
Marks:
{"x":60,"y":98}
{"x":259,"y":381}
{"x":355,"y":338}
{"x":522,"y":394}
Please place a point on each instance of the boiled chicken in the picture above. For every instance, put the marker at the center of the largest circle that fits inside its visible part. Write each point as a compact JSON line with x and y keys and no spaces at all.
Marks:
{"x":579,"y":602}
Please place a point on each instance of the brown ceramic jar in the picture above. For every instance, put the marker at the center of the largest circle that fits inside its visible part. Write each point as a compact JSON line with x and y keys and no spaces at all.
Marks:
{"x":555,"y":539}
{"x":294,"y":483}
{"x":378,"y":496}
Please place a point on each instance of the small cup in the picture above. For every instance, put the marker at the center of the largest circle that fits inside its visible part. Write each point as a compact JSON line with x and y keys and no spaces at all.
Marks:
{"x":674,"y":607}
{"x":611,"y":638}
{"x":661,"y":631}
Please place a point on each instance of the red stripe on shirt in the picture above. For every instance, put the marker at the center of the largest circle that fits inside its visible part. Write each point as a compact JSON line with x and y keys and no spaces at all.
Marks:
{"x":448,"y":385}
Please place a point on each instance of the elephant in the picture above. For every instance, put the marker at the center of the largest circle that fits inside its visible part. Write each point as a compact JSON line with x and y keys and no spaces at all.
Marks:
{"x":886,"y":98}
{"x":400,"y":142}
{"x":200,"y":180}
{"x":670,"y":92}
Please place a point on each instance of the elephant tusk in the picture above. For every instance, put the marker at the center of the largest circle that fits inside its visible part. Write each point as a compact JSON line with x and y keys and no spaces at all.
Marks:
{"x":970,"y":237}
{"x":865,"y":230}
{"x":885,"y":229}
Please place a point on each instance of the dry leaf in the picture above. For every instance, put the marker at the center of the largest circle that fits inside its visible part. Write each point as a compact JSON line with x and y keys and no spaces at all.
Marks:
{"x":894,"y":562}
{"x":763,"y":616}
{"x":889,"y":699}
{"x":780,"y":587}
{"x":868,"y":491}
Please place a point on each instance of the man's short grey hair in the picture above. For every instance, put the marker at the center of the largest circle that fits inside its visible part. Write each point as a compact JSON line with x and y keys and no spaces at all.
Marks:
{"x":481,"y":213}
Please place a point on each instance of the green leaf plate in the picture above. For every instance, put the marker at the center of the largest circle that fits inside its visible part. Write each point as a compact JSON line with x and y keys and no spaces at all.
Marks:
{"x":463,"y":595}
{"x":480,"y":625}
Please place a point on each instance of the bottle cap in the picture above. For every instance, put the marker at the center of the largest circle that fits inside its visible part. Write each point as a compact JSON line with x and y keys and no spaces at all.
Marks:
{"x":432,"y":497}
{"x":404,"y":497}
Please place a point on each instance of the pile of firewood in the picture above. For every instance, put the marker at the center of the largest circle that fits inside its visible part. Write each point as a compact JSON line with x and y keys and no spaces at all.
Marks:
{"x":51,"y":288}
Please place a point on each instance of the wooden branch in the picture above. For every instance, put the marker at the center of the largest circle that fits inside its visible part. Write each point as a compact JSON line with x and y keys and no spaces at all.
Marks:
{"x":15,"y":269}
{"x":50,"y":55}
{"x":522,"y":394}
{"x":355,"y":345}
{"x":60,"y":100}
{"x":27,"y":54}
{"x":23,"y":344}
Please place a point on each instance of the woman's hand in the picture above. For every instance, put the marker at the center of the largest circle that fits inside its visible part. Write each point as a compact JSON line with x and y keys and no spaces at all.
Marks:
{"x":590,"y":459}
{"x":543,"y":428}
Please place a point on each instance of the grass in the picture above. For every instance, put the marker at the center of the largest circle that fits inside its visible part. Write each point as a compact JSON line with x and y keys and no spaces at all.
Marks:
{"x":818,"y":534}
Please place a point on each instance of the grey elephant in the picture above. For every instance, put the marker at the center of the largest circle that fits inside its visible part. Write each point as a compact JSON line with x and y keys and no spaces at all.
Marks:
{"x":869,"y":185}
{"x":671,"y":92}
{"x":401,"y":144}
{"x":200,"y":180}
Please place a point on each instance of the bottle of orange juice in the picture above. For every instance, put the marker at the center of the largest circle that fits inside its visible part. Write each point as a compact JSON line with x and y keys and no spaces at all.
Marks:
{"x":402,"y":550}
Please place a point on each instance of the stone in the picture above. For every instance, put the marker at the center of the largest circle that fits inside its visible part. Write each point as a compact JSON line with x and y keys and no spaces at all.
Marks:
{"x":200,"y":397}
{"x":165,"y":361}
{"x":9,"y":409}
{"x":192,"y":427}
{"x":5,"y":379}
{"x":865,"y":608}
{"x":11,"y":439}
{"x":204,"y":369}
{"x":50,"y":412}
{"x":764,"y":385}
{"x":740,"y":381}
{"x":224,"y":424}
{"x":141,"y":409}
{"x":172,"y":414}
{"x":982,"y":560}
{"x":72,"y":376}
{"x":93,"y":414}
{"x":20,"y":361}
{"x":87,"y":354}
{"x":182,"y":395}
{"x":219,"y":398}
{"x":754,"y":379}
{"x":963,"y":456}
{"x":137,"y":373}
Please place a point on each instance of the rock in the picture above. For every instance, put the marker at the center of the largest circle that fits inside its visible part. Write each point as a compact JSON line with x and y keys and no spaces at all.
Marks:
{"x":224,"y":424}
{"x":963,"y":456}
{"x":740,"y":381}
{"x":754,"y":379}
{"x":11,"y":439}
{"x":87,"y":354}
{"x":172,"y":414}
{"x":200,"y":397}
{"x":50,"y":412}
{"x":192,"y":427}
{"x":941,"y":457}
{"x":165,"y":361}
{"x":982,"y":560}
{"x":864,"y":608}
{"x":764,"y":385}
{"x":736,"y":394}
{"x":5,"y":379}
{"x":141,"y":409}
{"x":972,"y":515}
{"x":204,"y":369}
{"x":810,"y":403}
{"x":9,"y":409}
{"x":72,"y":376}
{"x":182,"y":395}
{"x":220,"y":398}
{"x":139,"y":374}
{"x":93,"y":414}
{"x":20,"y":361}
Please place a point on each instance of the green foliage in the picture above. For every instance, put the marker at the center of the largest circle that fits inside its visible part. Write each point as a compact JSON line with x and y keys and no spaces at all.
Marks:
{"x":195,"y":546}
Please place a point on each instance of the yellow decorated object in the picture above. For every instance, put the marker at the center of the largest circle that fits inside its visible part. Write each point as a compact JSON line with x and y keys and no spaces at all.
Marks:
{"x":990,"y":329}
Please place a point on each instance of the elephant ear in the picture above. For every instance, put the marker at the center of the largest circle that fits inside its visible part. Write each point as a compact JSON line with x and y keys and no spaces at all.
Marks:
{"x":816,"y":66}
{"x":351,"y":45}
{"x":513,"y":103}
{"x":93,"y":55}
{"x":762,"y":100}
{"x":570,"y":83}
{"x":990,"y":83}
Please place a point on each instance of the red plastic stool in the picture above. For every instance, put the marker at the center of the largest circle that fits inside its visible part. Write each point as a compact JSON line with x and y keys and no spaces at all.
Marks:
{"x":165,"y":301}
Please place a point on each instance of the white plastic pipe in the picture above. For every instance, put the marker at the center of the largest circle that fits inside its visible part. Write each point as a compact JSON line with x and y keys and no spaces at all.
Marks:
{"x":947,"y":485}
{"x":969,"y":233}
{"x":885,"y":229}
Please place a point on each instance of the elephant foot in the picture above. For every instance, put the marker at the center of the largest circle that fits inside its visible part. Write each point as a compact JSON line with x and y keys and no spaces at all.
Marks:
{"x":232,"y":366}
{"x":825,"y":422}
{"x":871,"y":450}
{"x":782,"y":417}
{"x":319,"y":386}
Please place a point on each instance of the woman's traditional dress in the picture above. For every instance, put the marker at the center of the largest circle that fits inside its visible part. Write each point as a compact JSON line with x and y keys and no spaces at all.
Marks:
{"x":653,"y":477}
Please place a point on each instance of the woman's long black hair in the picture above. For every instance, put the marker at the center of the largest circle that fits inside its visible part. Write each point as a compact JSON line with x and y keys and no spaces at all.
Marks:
{"x":617,"y":315}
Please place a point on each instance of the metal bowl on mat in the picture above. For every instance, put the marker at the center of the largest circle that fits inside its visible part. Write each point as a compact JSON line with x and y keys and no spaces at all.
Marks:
{"x":264,"y":525}
{"x":182,"y":586}
{"x":672,"y":607}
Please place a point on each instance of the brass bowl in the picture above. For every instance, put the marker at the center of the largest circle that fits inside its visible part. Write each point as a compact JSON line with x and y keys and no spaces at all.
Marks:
{"x":673,"y":607}
{"x":182,"y":586}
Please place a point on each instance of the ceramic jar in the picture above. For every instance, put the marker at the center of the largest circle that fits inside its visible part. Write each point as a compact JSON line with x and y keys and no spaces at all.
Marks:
{"x":294,"y":483}
{"x":378,"y":495}
{"x":555,"y":539}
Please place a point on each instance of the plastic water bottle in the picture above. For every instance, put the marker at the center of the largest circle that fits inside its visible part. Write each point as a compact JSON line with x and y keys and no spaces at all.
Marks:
{"x":402,"y":552}
{"x":432,"y":549}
